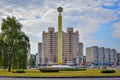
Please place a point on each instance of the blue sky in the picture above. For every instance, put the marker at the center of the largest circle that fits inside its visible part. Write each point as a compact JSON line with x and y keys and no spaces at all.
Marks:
{"x":98,"y":21}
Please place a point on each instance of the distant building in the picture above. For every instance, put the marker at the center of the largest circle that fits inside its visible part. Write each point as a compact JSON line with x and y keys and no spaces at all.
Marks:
{"x":72,"y":53}
{"x":81,"y":53}
{"x":28,"y":55}
{"x":118,"y":58}
{"x":107,"y":56}
{"x":32,"y":60}
{"x":49,"y":46}
{"x":92,"y":55}
{"x":40,"y":52}
{"x":37,"y":60}
{"x":101,"y":56}
{"x":113,"y":57}
{"x":72,"y":50}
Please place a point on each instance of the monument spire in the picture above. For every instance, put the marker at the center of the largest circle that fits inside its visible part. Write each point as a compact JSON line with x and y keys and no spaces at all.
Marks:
{"x":59,"y":9}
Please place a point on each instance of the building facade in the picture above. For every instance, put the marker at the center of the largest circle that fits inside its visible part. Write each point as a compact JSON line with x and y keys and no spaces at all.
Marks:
{"x":118,"y":58}
{"x":80,"y":56}
{"x":107,"y":56}
{"x":40,"y":52}
{"x":92,"y":55}
{"x":113,"y":57}
{"x":37,"y":60}
{"x":72,"y":50}
{"x":101,"y":56}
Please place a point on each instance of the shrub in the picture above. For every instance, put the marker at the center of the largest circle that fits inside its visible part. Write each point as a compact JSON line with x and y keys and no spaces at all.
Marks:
{"x":82,"y":69}
{"x":108,"y":71}
{"x":48,"y":70}
{"x":73,"y":69}
{"x":19,"y":71}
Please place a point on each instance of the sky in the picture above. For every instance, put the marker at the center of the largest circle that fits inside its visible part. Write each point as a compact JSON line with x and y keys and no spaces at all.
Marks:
{"x":98,"y":21}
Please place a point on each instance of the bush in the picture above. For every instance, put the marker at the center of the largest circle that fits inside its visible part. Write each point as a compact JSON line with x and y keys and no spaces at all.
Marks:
{"x":73,"y":69}
{"x":82,"y":69}
{"x":48,"y":70}
{"x":19,"y":71}
{"x":108,"y":71}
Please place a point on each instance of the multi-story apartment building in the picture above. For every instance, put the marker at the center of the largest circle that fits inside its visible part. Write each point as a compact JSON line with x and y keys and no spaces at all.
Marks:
{"x":63,"y":47}
{"x":28,"y":55}
{"x":40,"y":51}
{"x":113,"y":57}
{"x":107,"y":56}
{"x":72,"y":46}
{"x":72,"y":52}
{"x":101,"y":56}
{"x":37,"y":60}
{"x":80,"y":56}
{"x":49,"y":46}
{"x":118,"y":58}
{"x":92,"y":55}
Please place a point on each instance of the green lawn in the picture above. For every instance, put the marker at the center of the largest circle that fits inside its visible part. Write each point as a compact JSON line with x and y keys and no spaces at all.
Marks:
{"x":88,"y":72}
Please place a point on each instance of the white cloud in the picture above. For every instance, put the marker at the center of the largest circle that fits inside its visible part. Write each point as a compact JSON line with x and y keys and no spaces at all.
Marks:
{"x":84,"y":15}
{"x":117,"y":30}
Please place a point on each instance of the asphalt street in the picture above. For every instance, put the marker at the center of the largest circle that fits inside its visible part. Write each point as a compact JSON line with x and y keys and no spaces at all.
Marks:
{"x":59,"y":78}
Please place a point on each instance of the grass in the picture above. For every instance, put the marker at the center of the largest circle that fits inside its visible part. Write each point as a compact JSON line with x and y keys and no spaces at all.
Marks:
{"x":37,"y":73}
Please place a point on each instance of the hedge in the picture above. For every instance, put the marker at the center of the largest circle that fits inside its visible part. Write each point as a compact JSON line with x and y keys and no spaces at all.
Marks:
{"x":19,"y":71}
{"x":48,"y":70}
{"x":108,"y":71}
{"x":61,"y":69}
{"x":73,"y":69}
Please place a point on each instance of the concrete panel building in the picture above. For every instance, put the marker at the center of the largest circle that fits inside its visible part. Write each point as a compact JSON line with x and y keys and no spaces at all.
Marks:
{"x":101,"y":56}
{"x":40,"y":52}
{"x":113,"y":57}
{"x":49,"y":46}
{"x":37,"y":60}
{"x":72,"y":50}
{"x":107,"y":56}
{"x":80,"y":59}
{"x":118,"y":58}
{"x":92,"y":55}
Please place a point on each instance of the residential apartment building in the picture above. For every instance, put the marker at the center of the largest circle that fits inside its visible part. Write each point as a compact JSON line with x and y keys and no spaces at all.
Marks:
{"x":118,"y":58}
{"x":113,"y":57}
{"x":37,"y":60}
{"x":40,"y":52}
{"x":28,"y":55}
{"x":49,"y":46}
{"x":72,"y":50}
{"x":92,"y":55}
{"x":107,"y":56}
{"x":80,"y":59}
{"x":101,"y":56}
{"x":72,"y":46}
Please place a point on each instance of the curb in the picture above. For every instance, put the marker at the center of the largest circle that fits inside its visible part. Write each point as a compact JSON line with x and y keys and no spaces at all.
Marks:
{"x":60,"y":77}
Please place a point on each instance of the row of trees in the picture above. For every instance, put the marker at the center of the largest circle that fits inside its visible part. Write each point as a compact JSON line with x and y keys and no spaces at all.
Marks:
{"x":14,"y":45}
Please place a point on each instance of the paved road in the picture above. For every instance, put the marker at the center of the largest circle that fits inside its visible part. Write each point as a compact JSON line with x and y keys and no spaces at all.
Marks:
{"x":59,"y":78}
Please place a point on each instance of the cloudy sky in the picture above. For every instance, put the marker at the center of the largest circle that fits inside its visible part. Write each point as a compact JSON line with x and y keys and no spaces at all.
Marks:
{"x":98,"y":21}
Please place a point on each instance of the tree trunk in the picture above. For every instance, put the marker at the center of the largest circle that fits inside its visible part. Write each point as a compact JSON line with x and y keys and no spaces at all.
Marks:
{"x":9,"y":67}
{"x":9,"y":63}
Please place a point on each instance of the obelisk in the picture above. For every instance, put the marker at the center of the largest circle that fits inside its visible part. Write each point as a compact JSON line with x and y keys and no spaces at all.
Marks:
{"x":59,"y":9}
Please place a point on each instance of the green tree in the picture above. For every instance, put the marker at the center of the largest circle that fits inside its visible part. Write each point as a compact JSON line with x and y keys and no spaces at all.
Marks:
{"x":15,"y":44}
{"x":32,"y":60}
{"x":1,"y":50}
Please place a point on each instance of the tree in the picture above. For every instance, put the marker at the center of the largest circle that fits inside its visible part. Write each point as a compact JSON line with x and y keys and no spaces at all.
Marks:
{"x":1,"y":50}
{"x":32,"y":60}
{"x":15,"y":43}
